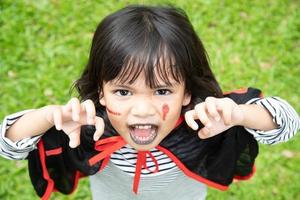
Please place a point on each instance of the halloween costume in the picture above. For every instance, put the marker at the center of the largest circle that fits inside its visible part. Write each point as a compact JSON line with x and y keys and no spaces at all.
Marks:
{"x":54,"y":166}
{"x":215,"y":161}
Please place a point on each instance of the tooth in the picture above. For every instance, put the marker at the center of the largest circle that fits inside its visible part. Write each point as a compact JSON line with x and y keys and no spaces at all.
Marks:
{"x":143,"y":126}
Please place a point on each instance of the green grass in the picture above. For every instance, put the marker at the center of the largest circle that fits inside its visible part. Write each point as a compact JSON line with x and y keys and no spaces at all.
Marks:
{"x":45,"y":44}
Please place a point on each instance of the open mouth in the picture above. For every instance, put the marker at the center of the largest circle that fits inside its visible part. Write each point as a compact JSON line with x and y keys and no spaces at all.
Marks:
{"x":143,"y":134}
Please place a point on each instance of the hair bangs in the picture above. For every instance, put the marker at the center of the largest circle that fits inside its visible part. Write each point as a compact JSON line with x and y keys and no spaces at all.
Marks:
{"x":156,"y":63}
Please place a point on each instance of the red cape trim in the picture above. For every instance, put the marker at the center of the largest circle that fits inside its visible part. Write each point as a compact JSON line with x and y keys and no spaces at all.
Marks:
{"x":54,"y":151}
{"x":46,"y":176}
{"x":191,"y":174}
{"x":238,"y":91}
{"x":51,"y":187}
{"x":241,"y":91}
{"x":243,"y":178}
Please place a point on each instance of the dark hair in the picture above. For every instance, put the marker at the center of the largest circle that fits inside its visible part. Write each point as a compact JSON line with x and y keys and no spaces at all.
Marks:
{"x":136,"y":39}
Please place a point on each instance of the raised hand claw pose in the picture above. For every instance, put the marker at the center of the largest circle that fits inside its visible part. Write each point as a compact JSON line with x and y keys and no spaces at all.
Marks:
{"x":72,"y":116}
{"x":220,"y":114}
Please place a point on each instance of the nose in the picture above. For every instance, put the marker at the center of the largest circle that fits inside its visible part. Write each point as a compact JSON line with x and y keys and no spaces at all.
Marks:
{"x":143,"y":108}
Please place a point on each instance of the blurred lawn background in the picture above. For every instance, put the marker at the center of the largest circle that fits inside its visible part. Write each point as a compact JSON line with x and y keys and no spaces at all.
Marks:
{"x":45,"y":45}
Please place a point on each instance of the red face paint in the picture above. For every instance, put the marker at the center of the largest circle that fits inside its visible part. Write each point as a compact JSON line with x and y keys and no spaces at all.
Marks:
{"x":165,"y":110}
{"x":112,"y":112}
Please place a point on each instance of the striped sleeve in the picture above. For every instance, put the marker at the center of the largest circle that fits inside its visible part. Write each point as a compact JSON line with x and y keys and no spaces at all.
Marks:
{"x":15,"y":150}
{"x":283,"y":115}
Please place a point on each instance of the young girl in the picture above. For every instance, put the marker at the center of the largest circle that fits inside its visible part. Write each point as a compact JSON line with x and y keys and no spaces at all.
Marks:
{"x":152,"y":122}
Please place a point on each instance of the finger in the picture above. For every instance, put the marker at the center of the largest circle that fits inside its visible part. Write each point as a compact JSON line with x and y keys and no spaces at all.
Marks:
{"x":74,"y":138}
{"x":57,"y":118}
{"x":89,"y":107}
{"x":99,"y":124}
{"x":189,"y":117}
{"x":225,"y":109}
{"x":75,"y":104}
{"x":204,"y":133}
{"x":212,"y":108}
{"x":67,"y":108}
{"x":202,"y":114}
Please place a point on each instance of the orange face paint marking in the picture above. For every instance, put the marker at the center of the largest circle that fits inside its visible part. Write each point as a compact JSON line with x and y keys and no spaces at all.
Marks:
{"x":112,"y":112}
{"x":165,"y":110}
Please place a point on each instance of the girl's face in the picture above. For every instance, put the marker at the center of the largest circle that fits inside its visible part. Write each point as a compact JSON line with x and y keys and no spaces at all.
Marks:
{"x":141,"y":115}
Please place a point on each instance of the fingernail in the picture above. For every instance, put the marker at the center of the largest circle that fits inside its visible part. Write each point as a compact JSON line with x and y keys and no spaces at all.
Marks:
{"x":195,"y":126}
{"x":71,"y":144}
{"x":96,"y":137}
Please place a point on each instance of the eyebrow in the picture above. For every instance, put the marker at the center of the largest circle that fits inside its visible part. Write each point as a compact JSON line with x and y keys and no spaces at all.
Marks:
{"x":127,"y":86}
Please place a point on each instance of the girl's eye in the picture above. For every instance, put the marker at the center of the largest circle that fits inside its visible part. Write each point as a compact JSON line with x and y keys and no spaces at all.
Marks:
{"x":163,"y":92}
{"x":122,"y":92}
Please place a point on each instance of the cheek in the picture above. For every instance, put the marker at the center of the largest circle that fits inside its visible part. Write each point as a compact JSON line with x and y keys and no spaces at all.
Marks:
{"x":165,"y":110}
{"x":113,"y":112}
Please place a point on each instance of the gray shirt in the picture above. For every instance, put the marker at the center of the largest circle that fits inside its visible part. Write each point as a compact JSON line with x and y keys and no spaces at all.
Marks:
{"x":114,"y":184}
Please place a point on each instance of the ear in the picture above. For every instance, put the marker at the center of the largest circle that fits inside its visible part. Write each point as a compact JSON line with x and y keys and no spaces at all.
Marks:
{"x":101,"y":99}
{"x":187,"y":99}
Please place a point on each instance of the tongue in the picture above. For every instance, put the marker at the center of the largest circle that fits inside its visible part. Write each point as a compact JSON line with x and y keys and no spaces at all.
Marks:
{"x":142,"y":132}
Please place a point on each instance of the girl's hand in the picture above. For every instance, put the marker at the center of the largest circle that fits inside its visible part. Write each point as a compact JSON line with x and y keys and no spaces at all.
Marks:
{"x":216,"y":114}
{"x":72,"y":116}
